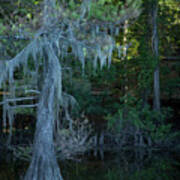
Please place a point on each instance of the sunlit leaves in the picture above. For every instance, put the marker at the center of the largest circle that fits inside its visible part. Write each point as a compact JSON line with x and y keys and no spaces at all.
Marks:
{"x":102,"y":2}
{"x":108,"y":10}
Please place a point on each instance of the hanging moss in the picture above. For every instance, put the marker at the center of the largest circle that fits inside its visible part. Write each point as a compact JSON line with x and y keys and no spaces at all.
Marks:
{"x":87,"y":35}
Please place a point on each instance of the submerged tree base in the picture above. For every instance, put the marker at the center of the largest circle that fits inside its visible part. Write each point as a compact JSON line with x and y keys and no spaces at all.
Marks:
{"x":43,"y":167}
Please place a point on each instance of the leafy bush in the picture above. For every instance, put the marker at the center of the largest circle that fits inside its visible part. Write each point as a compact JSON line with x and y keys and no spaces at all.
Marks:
{"x":144,"y":123}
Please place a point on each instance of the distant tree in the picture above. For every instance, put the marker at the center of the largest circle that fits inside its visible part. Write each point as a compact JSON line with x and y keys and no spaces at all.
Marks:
{"x":83,"y":29}
{"x":155,"y":49}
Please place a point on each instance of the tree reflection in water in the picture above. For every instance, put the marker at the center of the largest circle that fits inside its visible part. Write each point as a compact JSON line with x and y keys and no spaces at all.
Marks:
{"x":128,"y":165}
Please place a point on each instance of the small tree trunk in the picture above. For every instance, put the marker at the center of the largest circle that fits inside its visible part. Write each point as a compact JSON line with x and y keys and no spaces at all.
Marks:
{"x":125,"y":39}
{"x":156,"y":101}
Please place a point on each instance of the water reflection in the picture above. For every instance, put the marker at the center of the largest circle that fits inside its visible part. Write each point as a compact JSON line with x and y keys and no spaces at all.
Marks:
{"x":127,"y":165}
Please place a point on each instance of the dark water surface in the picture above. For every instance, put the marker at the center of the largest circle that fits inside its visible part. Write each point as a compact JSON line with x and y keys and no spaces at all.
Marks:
{"x":128,"y":165}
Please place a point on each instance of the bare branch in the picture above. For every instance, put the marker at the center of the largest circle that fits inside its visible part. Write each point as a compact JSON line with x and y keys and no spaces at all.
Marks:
{"x":24,"y":106}
{"x":18,"y":99}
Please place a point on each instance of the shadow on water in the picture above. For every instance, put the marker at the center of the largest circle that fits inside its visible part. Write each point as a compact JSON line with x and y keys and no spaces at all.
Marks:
{"x":126,"y":165}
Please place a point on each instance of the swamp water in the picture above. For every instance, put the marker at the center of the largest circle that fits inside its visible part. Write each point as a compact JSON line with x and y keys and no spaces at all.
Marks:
{"x":127,"y":165}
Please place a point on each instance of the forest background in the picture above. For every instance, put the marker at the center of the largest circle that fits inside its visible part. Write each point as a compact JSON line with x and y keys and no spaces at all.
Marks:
{"x":117,"y":102}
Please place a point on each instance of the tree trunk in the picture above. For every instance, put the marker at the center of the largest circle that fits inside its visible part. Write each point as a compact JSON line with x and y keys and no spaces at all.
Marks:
{"x":156,"y":101}
{"x":125,"y":56}
{"x":44,"y":165}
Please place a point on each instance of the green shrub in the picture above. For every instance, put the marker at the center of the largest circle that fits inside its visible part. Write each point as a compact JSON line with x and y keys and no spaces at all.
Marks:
{"x":147,"y":122}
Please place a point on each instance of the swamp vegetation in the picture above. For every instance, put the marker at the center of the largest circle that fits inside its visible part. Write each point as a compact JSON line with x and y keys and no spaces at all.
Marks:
{"x":93,"y":81}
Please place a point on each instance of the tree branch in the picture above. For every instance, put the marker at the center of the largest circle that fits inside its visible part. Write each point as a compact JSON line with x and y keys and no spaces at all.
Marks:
{"x":18,"y":99}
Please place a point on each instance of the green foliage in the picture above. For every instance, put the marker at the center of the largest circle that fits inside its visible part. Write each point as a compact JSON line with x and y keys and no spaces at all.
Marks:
{"x":150,"y":123}
{"x":170,"y":82}
{"x":103,"y":12}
